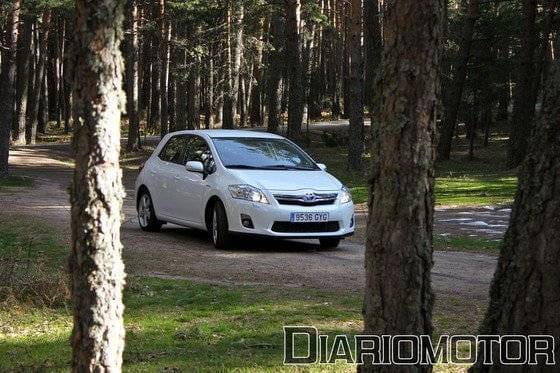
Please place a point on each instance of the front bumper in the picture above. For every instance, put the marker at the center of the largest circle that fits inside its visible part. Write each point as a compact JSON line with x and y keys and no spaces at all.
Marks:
{"x":264,"y":217}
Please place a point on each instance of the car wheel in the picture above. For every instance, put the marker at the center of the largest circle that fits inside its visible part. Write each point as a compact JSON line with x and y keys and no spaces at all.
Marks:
{"x":146,"y":213}
{"x":329,"y":243}
{"x":219,"y":230}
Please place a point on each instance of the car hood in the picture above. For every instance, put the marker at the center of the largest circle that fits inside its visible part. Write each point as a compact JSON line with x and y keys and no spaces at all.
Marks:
{"x":288,"y":180}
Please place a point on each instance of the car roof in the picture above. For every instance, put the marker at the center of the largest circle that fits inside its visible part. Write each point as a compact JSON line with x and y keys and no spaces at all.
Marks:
{"x":229,"y":133}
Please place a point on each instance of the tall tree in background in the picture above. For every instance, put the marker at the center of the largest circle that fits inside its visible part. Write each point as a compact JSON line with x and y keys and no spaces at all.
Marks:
{"x":526,"y":288}
{"x":96,"y":265}
{"x":372,"y":48}
{"x":294,"y":67}
{"x":274,"y":72}
{"x":356,"y":88}
{"x":453,"y":91}
{"x":22,"y":83}
{"x":398,"y":256}
{"x":524,"y":106}
{"x":33,"y":115}
{"x":132,"y":86}
{"x":8,"y":79}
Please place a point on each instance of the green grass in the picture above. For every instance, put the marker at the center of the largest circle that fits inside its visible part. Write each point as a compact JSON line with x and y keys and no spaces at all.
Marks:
{"x":467,"y":244}
{"x":185,"y":325}
{"x":459,"y":182}
{"x":15,"y":182}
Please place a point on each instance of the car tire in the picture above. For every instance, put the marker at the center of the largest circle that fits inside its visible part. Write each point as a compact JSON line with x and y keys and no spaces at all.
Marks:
{"x":329,"y":243}
{"x":147,"y":214}
{"x":219,"y":229}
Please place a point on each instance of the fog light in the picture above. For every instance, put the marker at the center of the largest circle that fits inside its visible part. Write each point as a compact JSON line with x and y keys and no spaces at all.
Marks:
{"x":246,"y":221}
{"x":352,"y":222}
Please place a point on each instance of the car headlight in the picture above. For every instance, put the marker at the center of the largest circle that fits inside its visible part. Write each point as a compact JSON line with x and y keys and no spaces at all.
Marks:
{"x":345,"y":195}
{"x":247,"y":193}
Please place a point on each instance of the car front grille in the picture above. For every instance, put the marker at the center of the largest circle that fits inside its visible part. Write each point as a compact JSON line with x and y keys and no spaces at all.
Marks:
{"x":310,"y":199}
{"x":289,"y":227}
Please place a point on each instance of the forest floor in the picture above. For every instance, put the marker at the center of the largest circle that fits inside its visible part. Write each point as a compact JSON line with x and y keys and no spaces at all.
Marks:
{"x":228,"y":299}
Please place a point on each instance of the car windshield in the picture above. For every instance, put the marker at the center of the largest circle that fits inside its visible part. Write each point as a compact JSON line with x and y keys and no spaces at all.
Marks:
{"x":262,"y":154}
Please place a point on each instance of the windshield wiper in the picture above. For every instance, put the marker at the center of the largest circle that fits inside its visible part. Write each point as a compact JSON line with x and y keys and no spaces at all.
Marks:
{"x":245,"y":167}
{"x":288,"y":167}
{"x":270,"y":167}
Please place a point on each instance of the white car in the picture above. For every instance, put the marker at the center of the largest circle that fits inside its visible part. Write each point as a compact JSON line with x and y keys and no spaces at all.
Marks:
{"x":230,"y":182}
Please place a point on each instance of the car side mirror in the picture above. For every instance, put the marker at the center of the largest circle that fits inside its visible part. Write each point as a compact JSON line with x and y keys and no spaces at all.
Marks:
{"x":322,"y":166}
{"x":195,"y":166}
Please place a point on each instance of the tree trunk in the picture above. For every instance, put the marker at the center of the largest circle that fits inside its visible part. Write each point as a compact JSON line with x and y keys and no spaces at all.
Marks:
{"x":524,"y":104}
{"x":356,"y":89}
{"x":96,"y":264}
{"x":228,"y":120}
{"x":22,"y":81}
{"x":454,"y":90}
{"x":526,"y":287}
{"x":294,"y":67}
{"x":164,"y":79}
{"x":155,"y":109}
{"x":133,"y":142}
{"x":33,"y":119}
{"x":8,"y":79}
{"x":372,"y":48}
{"x":275,"y":63}
{"x":398,"y":257}
{"x":43,"y":115}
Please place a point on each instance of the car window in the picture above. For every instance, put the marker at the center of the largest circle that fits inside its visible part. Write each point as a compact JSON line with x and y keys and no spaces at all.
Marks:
{"x":197,"y":150}
{"x":174,"y":150}
{"x":262,"y":153}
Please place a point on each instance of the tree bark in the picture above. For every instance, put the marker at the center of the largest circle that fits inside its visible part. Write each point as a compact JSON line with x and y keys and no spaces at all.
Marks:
{"x":524,"y":103}
{"x":454,"y":90}
{"x":228,"y":120}
{"x":372,"y":48}
{"x":356,"y":89}
{"x":33,"y":119}
{"x":294,"y":67}
{"x":96,"y":264}
{"x":8,"y":79}
{"x":398,"y":257}
{"x":275,"y":63}
{"x":164,"y":58}
{"x":525,"y":291}
{"x":22,"y":80}
{"x":133,"y":142}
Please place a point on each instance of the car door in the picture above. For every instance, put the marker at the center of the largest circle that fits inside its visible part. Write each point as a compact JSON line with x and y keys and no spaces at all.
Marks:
{"x":190,"y":187}
{"x":168,"y":165}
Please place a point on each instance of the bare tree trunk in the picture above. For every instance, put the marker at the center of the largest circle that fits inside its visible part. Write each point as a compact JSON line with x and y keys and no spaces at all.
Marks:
{"x":372,"y":47}
{"x":398,"y":257}
{"x":43,"y":115}
{"x":526,"y":287}
{"x":156,"y":36}
{"x":455,"y":88}
{"x":356,"y":88}
{"x":22,"y":81}
{"x":524,"y":104}
{"x":164,"y":79}
{"x":274,"y":73}
{"x":133,"y":142}
{"x":33,"y":119}
{"x":237,"y":56}
{"x":96,"y":264}
{"x":228,"y":120}
{"x":8,"y":79}
{"x":294,"y":66}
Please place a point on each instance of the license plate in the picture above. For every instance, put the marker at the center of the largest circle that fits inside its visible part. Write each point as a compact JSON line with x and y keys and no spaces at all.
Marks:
{"x":309,"y":217}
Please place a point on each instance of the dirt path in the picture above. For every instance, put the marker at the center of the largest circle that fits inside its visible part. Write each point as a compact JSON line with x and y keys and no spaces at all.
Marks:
{"x":184,"y":253}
